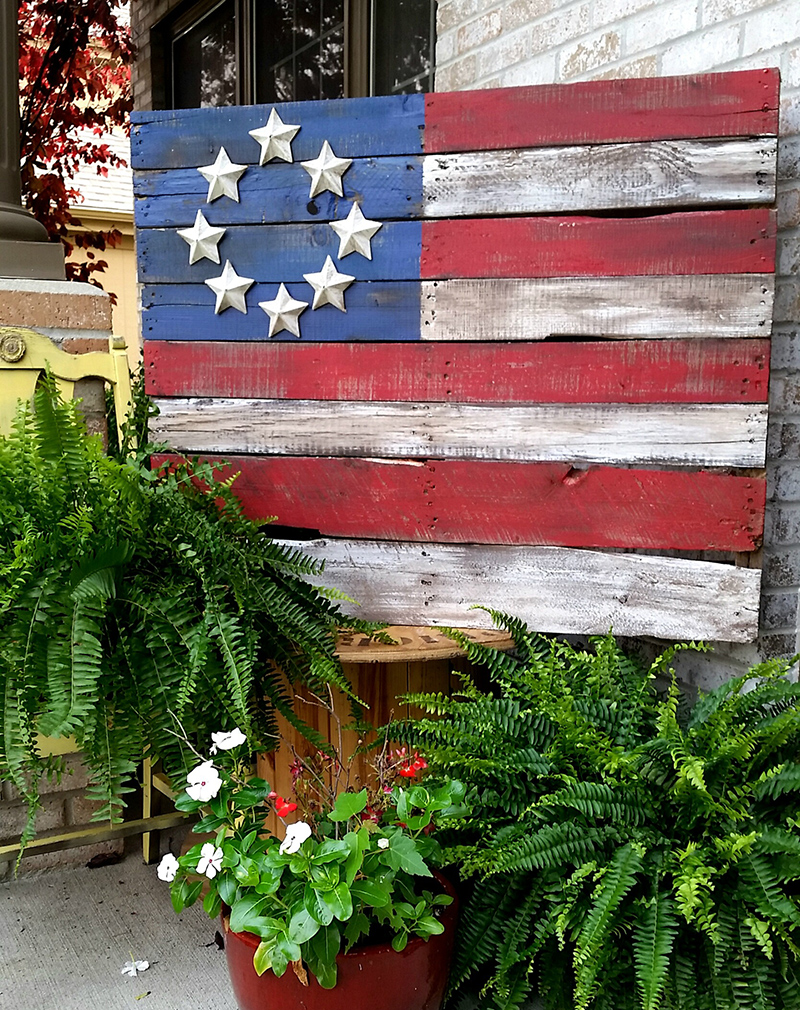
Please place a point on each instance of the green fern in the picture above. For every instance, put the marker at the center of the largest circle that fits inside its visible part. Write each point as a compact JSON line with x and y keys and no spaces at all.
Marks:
{"x":141,"y":607}
{"x":627,"y":851}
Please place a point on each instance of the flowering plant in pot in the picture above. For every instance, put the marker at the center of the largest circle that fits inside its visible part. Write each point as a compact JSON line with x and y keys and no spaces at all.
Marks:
{"x":352,"y":870}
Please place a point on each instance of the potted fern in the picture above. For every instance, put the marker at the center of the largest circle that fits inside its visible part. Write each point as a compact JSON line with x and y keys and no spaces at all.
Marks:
{"x":139,"y":609}
{"x":625,"y":850}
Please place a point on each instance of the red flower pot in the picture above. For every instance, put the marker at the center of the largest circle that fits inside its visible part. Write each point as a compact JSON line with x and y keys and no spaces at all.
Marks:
{"x":374,"y":976}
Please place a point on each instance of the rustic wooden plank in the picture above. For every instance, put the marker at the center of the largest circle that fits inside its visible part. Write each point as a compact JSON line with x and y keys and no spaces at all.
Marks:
{"x":376,"y":311}
{"x":697,"y":434}
{"x":412,"y":644}
{"x":354,"y":127}
{"x":554,"y":589}
{"x":281,"y":253}
{"x":469,"y":501}
{"x":716,"y":305}
{"x":698,"y":242}
{"x":547,"y":180}
{"x":701,"y":242}
{"x":743,"y":103}
{"x":652,"y":371}
{"x":278,"y":193}
{"x":721,"y":305}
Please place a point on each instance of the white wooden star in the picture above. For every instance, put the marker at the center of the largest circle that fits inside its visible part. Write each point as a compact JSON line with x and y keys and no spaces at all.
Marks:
{"x":230,"y":289}
{"x":329,"y":286}
{"x":222,"y":177}
{"x":275,"y":139}
{"x":284,"y":312}
{"x":326,"y":171}
{"x":202,"y":239}
{"x":355,"y":233}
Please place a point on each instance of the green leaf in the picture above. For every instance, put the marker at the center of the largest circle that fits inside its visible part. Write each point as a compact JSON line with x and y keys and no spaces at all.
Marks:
{"x":326,"y":974}
{"x":357,"y":926}
{"x":331,"y":851}
{"x":347,"y":805}
{"x":247,"y":912}
{"x":227,"y":888}
{"x":428,"y":925}
{"x":339,"y":901}
{"x":653,"y":939}
{"x":246,"y":871}
{"x":326,"y":943}
{"x":399,"y":940}
{"x":402,"y":854}
{"x":184,"y":802}
{"x":302,"y":926}
{"x":316,"y":906}
{"x":371,"y":893}
{"x":212,"y":904}
{"x":358,"y":843}
{"x":262,"y":959}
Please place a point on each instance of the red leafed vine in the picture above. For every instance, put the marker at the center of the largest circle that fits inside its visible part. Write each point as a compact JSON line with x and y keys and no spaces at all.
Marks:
{"x":74,"y":66}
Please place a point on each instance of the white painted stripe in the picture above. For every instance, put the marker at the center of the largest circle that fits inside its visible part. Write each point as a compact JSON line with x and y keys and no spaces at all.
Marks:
{"x":691,"y":434}
{"x":670,"y":173}
{"x":722,"y":305}
{"x":553,"y":589}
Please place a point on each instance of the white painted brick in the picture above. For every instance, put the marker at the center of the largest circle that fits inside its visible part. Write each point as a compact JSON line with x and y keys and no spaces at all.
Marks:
{"x":476,"y":33}
{"x":609,"y":12}
{"x":788,"y":204}
{"x":589,"y":54}
{"x":503,"y":53}
{"x":539,"y":70}
{"x":726,"y":10}
{"x":790,"y":113}
{"x":790,"y":67}
{"x":458,"y":75}
{"x":645,"y":66}
{"x":659,"y":25}
{"x":450,"y":13}
{"x":569,"y":24}
{"x":789,"y":158}
{"x":703,"y":52}
{"x":789,"y":253}
{"x":777,"y":27}
{"x":445,"y":48}
{"x":517,"y":13}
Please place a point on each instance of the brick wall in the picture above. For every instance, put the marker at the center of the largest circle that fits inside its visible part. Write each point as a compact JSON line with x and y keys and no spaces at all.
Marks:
{"x":145,"y":14}
{"x":487,"y":44}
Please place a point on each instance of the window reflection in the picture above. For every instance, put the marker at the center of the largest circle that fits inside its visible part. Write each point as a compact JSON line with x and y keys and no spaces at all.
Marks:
{"x":299,"y":50}
{"x":204,"y":60}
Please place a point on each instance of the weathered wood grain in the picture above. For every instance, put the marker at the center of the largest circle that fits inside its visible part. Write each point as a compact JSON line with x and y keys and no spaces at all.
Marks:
{"x":696,"y":434}
{"x":680,"y":173}
{"x":388,"y":188}
{"x":743,"y":104}
{"x":468,"y":501}
{"x":354,"y":127}
{"x":280,"y":254}
{"x":662,"y":371}
{"x":486,"y":310}
{"x":553,"y":589}
{"x":376,"y":311}
{"x":695,"y":242}
{"x":664,"y":307}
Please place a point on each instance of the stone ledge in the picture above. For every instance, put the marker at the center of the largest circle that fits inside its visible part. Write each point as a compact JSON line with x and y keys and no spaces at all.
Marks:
{"x":65,"y":305}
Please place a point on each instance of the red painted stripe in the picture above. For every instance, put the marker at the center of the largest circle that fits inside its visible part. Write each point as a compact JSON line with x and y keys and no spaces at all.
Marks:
{"x":706,"y":242}
{"x":738,"y":104}
{"x":457,"y":501}
{"x":641,"y":371}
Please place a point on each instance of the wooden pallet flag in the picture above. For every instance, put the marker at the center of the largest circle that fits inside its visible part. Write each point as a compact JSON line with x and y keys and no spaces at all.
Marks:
{"x":480,"y":344}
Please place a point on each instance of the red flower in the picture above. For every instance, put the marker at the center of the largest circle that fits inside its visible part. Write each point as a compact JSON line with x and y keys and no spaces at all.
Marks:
{"x":371,"y":814}
{"x":272,"y":796}
{"x":408,"y":772}
{"x":284,"y":809}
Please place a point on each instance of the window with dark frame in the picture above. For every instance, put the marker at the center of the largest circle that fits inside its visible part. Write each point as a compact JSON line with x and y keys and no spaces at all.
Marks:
{"x":229,"y":52}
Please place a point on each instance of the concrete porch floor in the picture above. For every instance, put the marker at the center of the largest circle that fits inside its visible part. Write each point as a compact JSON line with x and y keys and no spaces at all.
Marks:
{"x":65,"y":935}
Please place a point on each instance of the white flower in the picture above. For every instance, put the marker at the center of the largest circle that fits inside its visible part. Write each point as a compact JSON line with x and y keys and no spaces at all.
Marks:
{"x":133,"y":967}
{"x":204,"y":782}
{"x":227,"y":741}
{"x":383,"y":843}
{"x":296,"y":834}
{"x":167,"y":868}
{"x":210,"y":860}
